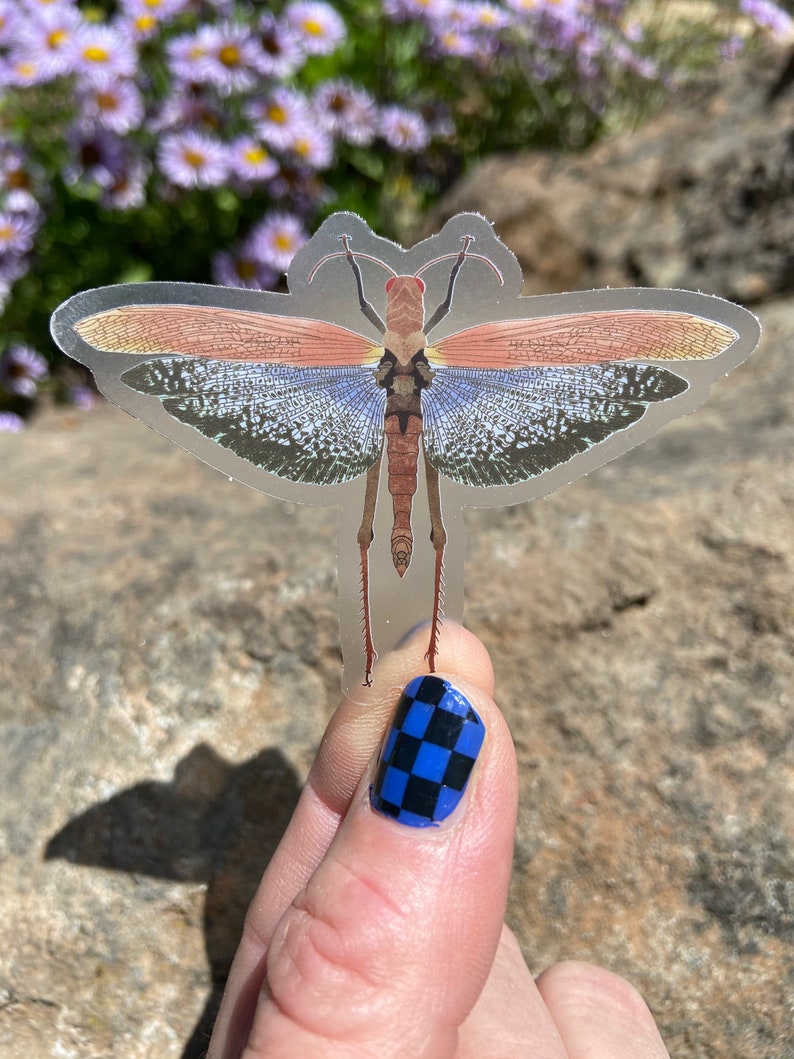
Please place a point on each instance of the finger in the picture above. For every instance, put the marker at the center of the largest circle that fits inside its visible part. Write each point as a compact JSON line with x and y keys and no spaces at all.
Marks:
{"x":387,"y":949}
{"x":347,"y":746}
{"x":355,"y":730}
{"x":599,"y":1015}
{"x":510,"y":1019}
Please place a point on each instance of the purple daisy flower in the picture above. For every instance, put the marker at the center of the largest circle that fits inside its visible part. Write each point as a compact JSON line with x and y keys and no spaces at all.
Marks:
{"x":568,"y":31}
{"x":277,"y":116}
{"x":249,"y":160}
{"x":768,"y":16}
{"x":460,"y":17}
{"x":301,"y":187}
{"x":11,"y":423}
{"x":97,"y":156}
{"x":452,"y":41}
{"x":144,"y":17}
{"x":488,"y":16}
{"x":102,"y":160}
{"x":17,"y":182}
{"x":81,"y":396}
{"x":140,"y":27}
{"x":116,"y":105}
{"x":276,"y":240}
{"x":403,"y":129}
{"x":45,"y":38}
{"x":347,"y":111}
{"x":186,"y":55}
{"x":311,"y":145}
{"x":128,"y":190}
{"x":193,"y":160}
{"x":280,"y":52}
{"x":230,"y":58}
{"x":101,"y":53}
{"x":241,"y":268}
{"x":318,"y":27}
{"x":17,"y":231}
{"x":21,"y":70}
{"x":21,"y":368}
{"x":9,"y":21}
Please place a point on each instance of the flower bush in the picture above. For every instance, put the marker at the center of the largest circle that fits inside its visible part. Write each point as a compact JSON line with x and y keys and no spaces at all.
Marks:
{"x":189,"y":140}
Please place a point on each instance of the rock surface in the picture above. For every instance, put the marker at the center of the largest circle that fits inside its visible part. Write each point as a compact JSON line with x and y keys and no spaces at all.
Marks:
{"x":701,"y":198}
{"x":170,"y":657}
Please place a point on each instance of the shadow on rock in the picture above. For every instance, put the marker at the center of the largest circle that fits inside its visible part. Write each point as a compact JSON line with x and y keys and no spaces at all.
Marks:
{"x":215,"y":822}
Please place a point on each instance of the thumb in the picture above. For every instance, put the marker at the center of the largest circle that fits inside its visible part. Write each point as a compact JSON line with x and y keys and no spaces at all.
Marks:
{"x":389,"y":945}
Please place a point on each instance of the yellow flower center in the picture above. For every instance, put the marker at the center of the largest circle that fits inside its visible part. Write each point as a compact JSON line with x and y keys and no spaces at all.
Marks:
{"x":276,"y":113}
{"x":6,"y":231}
{"x":194,"y":158}
{"x":26,"y":69}
{"x":314,"y":29}
{"x":95,"y":54}
{"x":229,"y":55}
{"x":56,"y":38}
{"x":246,"y":269}
{"x":283,"y":241}
{"x":143,"y":23}
{"x":302,"y":147}
{"x":255,"y":154}
{"x":107,"y":101}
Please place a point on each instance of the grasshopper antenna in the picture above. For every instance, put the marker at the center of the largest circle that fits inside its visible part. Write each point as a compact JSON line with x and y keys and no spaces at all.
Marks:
{"x":366,"y":307}
{"x":464,"y":255}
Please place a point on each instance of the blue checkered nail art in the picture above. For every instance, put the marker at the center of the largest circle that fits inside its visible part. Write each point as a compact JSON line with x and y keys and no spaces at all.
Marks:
{"x":429,"y":752}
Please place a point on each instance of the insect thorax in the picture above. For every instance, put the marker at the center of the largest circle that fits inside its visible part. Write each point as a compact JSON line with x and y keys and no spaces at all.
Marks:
{"x":404,"y":346}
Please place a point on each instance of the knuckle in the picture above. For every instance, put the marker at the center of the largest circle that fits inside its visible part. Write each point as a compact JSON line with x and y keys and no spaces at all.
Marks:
{"x":326,"y":964}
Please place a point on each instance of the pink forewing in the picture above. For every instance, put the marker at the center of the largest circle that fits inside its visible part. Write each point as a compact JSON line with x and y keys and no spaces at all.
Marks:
{"x":583,"y":338}
{"x":225,"y":334}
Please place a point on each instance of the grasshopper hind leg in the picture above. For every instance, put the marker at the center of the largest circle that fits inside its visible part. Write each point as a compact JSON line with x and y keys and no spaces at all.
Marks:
{"x":438,"y":535}
{"x":365,"y":537}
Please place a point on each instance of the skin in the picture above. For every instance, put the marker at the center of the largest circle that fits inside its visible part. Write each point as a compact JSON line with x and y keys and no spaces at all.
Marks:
{"x":369,"y":938}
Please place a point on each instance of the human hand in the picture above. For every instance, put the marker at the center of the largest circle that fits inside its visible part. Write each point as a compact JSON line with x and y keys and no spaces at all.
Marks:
{"x":372,"y":937}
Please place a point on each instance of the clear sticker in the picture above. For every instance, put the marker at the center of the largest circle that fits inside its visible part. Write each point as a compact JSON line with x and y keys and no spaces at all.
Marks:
{"x":403,"y":386}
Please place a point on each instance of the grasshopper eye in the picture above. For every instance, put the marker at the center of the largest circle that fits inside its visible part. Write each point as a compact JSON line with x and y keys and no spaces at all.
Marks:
{"x":420,"y":283}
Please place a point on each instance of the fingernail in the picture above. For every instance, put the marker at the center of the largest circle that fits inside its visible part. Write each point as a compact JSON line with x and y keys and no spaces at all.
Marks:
{"x":429,"y":752}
